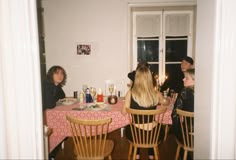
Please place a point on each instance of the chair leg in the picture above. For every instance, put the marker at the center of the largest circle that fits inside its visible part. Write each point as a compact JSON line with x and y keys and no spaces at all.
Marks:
{"x":177,"y":152}
{"x":135,"y":152}
{"x":109,"y":157}
{"x":156,"y":153}
{"x":130,"y":151}
{"x":185,"y":154}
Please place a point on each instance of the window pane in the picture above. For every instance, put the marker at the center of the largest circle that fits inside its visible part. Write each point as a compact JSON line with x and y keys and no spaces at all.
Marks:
{"x":176,"y":50}
{"x":154,"y":68}
{"x":148,"y":50}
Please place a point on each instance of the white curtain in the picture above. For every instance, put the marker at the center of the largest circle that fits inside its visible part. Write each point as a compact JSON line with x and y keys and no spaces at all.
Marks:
{"x":21,"y":133}
{"x":148,"y":25}
{"x":177,"y":24}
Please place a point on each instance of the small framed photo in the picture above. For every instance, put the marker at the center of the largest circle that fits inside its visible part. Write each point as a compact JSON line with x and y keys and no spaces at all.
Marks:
{"x":83,"y":49}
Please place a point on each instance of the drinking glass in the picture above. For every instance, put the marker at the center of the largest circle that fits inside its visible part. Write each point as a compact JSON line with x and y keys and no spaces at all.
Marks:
{"x":172,"y":92}
{"x":111,"y":88}
{"x":84,"y":88}
{"x":93,"y":92}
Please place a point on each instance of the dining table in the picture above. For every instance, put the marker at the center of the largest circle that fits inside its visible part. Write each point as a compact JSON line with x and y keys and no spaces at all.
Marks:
{"x":56,"y":118}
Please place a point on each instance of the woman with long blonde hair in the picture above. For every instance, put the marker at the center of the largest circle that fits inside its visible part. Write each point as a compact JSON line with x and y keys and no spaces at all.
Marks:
{"x":142,"y":96}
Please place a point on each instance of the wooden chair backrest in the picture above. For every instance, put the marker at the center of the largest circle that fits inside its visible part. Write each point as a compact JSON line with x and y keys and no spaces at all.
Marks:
{"x":145,"y":126}
{"x":187,"y":128}
{"x":89,"y":136}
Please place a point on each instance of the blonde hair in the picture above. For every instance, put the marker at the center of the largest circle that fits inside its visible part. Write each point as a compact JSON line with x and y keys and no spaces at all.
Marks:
{"x":191,"y":73}
{"x":143,"y":91}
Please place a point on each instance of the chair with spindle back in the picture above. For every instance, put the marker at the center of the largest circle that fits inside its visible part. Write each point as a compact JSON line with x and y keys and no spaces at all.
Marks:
{"x":90,"y":138}
{"x":145,"y":128}
{"x":187,"y":131}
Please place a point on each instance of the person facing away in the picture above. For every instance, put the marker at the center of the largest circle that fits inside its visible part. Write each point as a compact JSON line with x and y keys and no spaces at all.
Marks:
{"x":175,"y":79}
{"x":52,"y":86}
{"x":184,"y":101}
{"x":142,"y":96}
{"x":131,"y":75}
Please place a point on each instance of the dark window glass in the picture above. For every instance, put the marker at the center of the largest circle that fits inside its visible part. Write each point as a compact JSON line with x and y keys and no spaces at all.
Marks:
{"x":148,"y":38}
{"x":154,"y":68}
{"x":167,"y":37}
{"x":172,"y":70}
{"x":176,"y":50}
{"x":148,"y":50}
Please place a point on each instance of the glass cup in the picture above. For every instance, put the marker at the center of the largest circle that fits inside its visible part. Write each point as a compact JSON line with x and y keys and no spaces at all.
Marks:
{"x":172,"y":92}
{"x":93,"y":92}
{"x":111,"y":88}
{"x":84,"y":88}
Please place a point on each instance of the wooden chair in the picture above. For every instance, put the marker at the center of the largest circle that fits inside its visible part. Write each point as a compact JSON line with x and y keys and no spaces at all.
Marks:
{"x":187,"y":132}
{"x":145,"y":129}
{"x":89,"y":137}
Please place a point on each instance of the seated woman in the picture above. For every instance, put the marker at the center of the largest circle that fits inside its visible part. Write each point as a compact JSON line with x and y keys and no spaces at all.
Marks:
{"x":131,"y":75}
{"x":52,"y":87}
{"x":184,"y":101}
{"x":142,"y":96}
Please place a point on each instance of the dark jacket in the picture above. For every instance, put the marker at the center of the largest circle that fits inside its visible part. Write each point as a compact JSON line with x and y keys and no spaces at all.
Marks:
{"x":184,"y":101}
{"x":51,"y":94}
{"x":174,"y":81}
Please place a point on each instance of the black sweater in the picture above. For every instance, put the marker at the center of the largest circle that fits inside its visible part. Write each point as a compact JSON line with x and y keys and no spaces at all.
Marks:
{"x":51,"y":94}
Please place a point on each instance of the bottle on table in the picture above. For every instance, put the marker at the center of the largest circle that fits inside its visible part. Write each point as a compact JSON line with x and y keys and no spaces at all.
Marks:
{"x":88,"y":97}
{"x":166,"y":101}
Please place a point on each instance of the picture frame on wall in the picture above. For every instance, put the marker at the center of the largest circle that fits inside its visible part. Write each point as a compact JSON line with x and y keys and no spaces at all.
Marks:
{"x":83,"y":49}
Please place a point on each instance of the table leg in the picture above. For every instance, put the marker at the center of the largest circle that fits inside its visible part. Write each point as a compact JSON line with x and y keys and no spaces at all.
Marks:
{"x":122,"y":132}
{"x":166,"y":131}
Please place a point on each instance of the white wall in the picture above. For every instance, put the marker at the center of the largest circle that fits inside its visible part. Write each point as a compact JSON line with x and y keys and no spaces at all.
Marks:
{"x":204,"y":77}
{"x":215,"y":112}
{"x":104,"y":25}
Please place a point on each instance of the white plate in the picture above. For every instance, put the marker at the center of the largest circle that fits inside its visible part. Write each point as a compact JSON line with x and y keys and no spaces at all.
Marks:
{"x":67,"y":101}
{"x":98,"y":107}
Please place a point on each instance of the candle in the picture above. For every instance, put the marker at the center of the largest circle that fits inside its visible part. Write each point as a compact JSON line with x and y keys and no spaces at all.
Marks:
{"x":99,"y":95}
{"x":162,"y":79}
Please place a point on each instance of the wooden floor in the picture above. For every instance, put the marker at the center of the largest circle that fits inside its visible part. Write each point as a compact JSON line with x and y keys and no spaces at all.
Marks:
{"x":167,"y":148}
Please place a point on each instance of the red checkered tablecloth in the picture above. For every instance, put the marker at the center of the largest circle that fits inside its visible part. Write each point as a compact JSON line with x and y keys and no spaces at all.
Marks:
{"x":56,"y":120}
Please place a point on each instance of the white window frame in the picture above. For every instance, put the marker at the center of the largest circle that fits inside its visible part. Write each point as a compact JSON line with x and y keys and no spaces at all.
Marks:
{"x":162,"y":38}
{"x":135,"y":51}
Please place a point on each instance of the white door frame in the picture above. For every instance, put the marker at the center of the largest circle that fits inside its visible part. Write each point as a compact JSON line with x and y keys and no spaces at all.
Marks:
{"x":21,"y":132}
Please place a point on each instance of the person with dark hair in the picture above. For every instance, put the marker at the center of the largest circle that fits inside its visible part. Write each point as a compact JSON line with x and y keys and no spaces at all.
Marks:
{"x":52,"y":87}
{"x":175,"y":78}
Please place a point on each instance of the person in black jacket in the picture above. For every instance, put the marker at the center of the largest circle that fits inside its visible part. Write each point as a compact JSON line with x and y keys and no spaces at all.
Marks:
{"x":52,"y":87}
{"x":176,"y":75}
{"x":184,"y":101}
